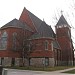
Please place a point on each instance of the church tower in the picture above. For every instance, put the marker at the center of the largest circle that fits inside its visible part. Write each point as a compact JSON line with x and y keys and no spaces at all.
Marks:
{"x":63,"y":35}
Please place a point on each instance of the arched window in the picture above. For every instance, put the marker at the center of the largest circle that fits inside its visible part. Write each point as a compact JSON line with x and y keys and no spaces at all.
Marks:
{"x":3,"y":41}
{"x":14,"y":37}
{"x":52,"y":45}
{"x":30,"y":46}
{"x":46,"y":45}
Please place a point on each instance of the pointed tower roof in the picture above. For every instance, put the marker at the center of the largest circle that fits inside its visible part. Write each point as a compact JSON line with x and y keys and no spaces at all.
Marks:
{"x":62,"y":21}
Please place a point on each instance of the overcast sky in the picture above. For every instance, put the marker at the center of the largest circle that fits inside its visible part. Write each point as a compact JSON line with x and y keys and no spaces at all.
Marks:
{"x":49,"y":10}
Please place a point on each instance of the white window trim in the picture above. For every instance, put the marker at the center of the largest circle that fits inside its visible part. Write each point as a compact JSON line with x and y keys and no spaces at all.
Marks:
{"x":46,"y":41}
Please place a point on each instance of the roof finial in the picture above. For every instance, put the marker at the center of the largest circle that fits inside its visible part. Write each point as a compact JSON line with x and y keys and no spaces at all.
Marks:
{"x":43,"y":19}
{"x":61,"y":12}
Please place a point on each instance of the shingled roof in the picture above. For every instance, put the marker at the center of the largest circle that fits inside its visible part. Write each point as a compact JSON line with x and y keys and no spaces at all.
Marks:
{"x":30,"y":19}
{"x":47,"y":32}
{"x":62,"y":21}
{"x":16,"y":23}
{"x":37,"y":22}
{"x":44,"y":31}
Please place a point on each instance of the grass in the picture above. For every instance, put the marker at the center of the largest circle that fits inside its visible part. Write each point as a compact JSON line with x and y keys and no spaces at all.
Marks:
{"x":70,"y":72}
{"x":41,"y":68}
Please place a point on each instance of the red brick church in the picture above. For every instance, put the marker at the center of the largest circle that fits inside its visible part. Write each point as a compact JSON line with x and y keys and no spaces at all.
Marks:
{"x":29,"y":41}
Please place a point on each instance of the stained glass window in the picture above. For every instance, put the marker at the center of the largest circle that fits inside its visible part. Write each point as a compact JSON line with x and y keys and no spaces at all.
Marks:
{"x":3,"y":41}
{"x":46,"y":45}
{"x":14,"y":41}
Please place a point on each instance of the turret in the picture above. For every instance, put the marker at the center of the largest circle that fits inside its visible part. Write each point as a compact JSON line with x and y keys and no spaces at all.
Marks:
{"x":63,"y":35}
{"x":63,"y":28}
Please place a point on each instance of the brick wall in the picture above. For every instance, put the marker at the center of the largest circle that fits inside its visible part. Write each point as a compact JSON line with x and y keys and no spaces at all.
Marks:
{"x":40,"y":62}
{"x":64,"y":39}
{"x":39,"y":48}
{"x":9,"y":52}
{"x":25,"y":18}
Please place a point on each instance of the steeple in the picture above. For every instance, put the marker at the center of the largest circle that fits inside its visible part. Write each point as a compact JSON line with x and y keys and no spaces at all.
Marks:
{"x":62,"y":21}
{"x":63,"y":35}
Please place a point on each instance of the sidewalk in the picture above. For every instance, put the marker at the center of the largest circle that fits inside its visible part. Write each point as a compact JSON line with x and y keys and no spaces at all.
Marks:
{"x":60,"y":72}
{"x":64,"y":70}
{"x":29,"y":72}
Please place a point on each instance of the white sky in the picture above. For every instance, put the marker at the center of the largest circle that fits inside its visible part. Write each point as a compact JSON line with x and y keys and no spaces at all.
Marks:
{"x":50,"y":10}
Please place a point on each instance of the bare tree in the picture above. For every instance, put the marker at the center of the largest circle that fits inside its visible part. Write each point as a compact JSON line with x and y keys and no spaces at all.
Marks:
{"x":23,"y":44}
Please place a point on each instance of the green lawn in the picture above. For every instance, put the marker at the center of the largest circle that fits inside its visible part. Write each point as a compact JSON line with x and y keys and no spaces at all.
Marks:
{"x":70,"y":72}
{"x":42,"y":68}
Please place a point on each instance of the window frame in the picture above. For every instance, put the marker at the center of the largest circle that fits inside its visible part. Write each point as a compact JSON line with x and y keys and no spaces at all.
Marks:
{"x":3,"y":40}
{"x":46,"y":44}
{"x":46,"y":61}
{"x":14,"y":41}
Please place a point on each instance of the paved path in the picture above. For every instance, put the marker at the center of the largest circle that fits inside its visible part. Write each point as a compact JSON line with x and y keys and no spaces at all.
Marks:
{"x":28,"y":72}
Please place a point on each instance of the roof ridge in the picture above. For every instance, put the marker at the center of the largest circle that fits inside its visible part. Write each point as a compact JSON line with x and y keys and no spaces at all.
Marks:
{"x":25,"y":17}
{"x":32,"y":21}
{"x":17,"y":23}
{"x":24,"y":9}
{"x":34,"y":15}
{"x":31,"y":14}
{"x":10,"y":21}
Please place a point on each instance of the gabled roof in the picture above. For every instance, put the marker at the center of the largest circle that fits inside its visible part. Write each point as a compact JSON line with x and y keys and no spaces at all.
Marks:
{"x":37,"y":22}
{"x":16,"y":23}
{"x":44,"y":31}
{"x":62,"y":21}
{"x":29,"y":18}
